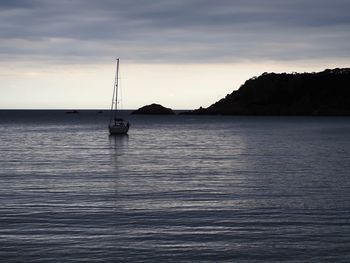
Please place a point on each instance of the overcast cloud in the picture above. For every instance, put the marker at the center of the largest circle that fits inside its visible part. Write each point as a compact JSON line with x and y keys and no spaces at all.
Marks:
{"x":89,"y":31}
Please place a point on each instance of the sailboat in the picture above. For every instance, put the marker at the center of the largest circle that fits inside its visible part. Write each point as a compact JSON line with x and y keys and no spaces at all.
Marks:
{"x":117,"y":125}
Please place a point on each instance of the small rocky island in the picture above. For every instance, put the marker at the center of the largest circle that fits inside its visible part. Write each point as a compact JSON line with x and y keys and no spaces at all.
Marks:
{"x":154,"y":109}
{"x":322,"y":93}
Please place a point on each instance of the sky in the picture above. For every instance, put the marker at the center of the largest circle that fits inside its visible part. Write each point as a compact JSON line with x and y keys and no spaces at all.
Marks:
{"x":182,"y":54}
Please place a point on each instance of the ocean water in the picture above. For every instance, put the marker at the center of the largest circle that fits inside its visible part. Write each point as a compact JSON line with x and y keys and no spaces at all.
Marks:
{"x":176,"y":189}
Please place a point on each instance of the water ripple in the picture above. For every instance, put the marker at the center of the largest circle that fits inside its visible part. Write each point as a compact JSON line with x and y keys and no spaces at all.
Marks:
{"x":184,"y":189}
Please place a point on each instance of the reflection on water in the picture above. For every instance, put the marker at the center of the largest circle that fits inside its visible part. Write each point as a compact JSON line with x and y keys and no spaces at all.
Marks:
{"x":119,"y":141}
{"x":181,"y":189}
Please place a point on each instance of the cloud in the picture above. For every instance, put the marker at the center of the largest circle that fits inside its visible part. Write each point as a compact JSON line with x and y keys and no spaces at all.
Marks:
{"x":167,"y":31}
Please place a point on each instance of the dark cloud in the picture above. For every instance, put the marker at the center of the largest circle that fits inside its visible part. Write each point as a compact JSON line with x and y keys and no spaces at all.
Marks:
{"x":174,"y":31}
{"x":15,"y":4}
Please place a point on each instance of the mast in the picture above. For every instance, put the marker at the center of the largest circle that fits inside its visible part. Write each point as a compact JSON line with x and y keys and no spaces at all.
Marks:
{"x":116,"y":89}
{"x":115,"y":95}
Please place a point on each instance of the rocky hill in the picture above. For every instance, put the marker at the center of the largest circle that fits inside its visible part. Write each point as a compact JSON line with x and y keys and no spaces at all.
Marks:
{"x":154,"y":109}
{"x":323,"y":93}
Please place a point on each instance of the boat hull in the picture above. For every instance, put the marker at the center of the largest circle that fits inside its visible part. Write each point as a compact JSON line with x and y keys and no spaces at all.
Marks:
{"x":118,"y":129}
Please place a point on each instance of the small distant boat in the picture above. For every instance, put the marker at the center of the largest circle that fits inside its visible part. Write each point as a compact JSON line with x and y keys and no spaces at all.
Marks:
{"x":72,"y":112}
{"x":117,"y":125}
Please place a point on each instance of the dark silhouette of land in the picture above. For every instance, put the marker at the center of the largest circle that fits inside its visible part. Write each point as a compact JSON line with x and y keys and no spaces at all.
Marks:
{"x":154,"y":109}
{"x":323,"y":93}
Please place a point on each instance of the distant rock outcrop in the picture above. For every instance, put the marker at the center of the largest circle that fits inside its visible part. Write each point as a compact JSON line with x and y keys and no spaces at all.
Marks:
{"x":323,"y":93}
{"x":154,"y":109}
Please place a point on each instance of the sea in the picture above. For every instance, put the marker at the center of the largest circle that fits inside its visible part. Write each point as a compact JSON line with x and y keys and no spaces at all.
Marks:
{"x":175,"y":189}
